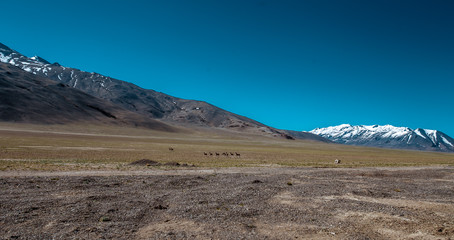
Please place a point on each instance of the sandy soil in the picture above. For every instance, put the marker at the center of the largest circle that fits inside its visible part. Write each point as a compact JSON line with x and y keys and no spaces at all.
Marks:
{"x":231,"y":203}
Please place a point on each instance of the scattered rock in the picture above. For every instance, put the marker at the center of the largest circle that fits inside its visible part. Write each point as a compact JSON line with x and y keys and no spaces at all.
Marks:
{"x":231,"y":204}
{"x":160,"y":207}
{"x":105,"y":219}
{"x":369,"y":193}
{"x":87,"y":180}
{"x":172,"y":164}
{"x":250,"y":226}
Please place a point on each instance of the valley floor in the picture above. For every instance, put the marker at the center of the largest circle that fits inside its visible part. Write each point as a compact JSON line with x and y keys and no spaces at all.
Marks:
{"x":229,"y":203}
{"x":78,"y":182}
{"x":94,"y":147}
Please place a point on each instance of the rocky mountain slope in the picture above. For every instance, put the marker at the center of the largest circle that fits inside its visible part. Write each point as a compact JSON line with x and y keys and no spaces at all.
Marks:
{"x":388,"y":136}
{"x":26,"y":97}
{"x":148,"y":103}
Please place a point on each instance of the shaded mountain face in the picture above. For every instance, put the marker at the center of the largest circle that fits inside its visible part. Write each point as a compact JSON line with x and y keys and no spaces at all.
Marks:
{"x":26,"y":97}
{"x":148,"y":103}
{"x":388,"y":137}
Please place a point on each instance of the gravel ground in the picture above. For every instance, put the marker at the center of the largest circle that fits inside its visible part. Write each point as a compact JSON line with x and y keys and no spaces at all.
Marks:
{"x":243,"y":203}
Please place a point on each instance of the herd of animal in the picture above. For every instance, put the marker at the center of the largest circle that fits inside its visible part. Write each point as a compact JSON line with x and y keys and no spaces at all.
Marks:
{"x":235,"y":154}
{"x":225,"y":154}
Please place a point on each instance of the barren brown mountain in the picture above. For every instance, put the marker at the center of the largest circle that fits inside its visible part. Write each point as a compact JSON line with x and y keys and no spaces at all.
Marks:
{"x":148,"y":103}
{"x":26,"y":97}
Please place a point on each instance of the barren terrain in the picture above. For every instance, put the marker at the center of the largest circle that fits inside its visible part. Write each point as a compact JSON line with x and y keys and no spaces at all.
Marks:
{"x":229,"y":203}
{"x":95,"y":182}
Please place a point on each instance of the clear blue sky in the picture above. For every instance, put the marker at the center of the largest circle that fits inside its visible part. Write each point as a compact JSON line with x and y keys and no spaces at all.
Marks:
{"x":289,"y":64}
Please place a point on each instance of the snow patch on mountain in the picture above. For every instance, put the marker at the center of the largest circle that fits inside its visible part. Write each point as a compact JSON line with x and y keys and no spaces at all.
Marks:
{"x":4,"y":58}
{"x":447,"y":141}
{"x":42,"y":67}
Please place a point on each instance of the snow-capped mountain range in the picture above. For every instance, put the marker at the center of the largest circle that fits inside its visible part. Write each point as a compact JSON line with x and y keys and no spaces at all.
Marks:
{"x":388,"y":136}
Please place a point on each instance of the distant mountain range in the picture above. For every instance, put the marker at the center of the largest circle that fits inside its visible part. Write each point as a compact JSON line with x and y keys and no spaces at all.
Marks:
{"x":147,"y":103}
{"x":388,"y":136}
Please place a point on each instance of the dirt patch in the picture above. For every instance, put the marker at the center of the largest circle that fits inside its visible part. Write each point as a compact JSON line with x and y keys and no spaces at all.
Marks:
{"x":171,"y":229}
{"x":241,"y":203}
{"x":145,"y":162}
{"x":148,"y":162}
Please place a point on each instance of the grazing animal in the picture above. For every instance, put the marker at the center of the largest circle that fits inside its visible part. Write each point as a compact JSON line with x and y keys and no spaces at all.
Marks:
{"x":205,"y":153}
{"x":211,"y":154}
{"x":237,"y":154}
{"x":337,"y":161}
{"x":170,"y":148}
{"x":217,"y":154}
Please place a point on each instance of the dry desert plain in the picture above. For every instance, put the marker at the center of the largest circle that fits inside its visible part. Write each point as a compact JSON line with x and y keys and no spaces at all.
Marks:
{"x":79,"y":182}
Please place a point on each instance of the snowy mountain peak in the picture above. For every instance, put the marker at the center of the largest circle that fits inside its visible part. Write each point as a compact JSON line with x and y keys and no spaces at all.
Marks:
{"x":388,"y":136}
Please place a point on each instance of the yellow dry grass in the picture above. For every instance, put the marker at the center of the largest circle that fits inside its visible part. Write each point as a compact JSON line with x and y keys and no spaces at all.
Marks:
{"x":63,"y":147}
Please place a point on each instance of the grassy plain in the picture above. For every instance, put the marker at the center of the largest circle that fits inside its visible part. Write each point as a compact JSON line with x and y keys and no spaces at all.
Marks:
{"x":76,"y":147}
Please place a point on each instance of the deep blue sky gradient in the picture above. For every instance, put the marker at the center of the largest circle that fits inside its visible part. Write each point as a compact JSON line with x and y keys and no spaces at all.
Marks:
{"x":290,"y":64}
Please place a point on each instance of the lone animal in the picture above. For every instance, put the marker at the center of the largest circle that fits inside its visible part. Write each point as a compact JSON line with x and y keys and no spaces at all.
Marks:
{"x":337,"y":161}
